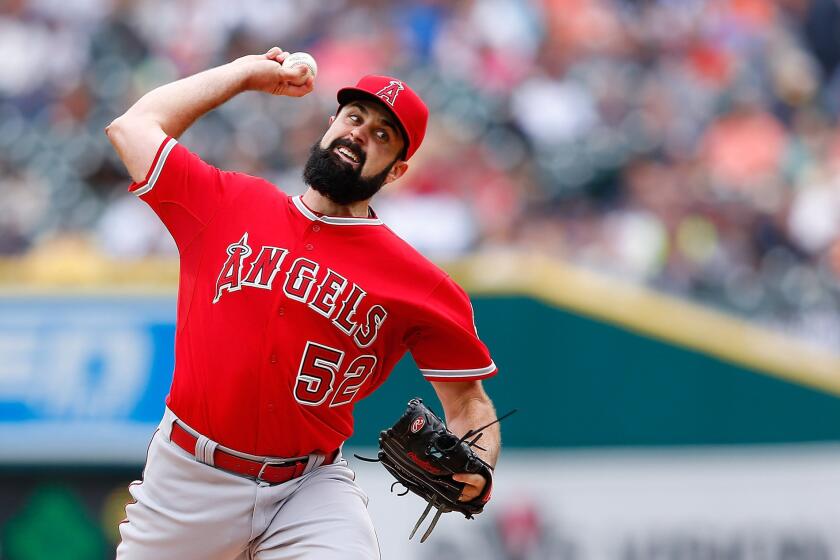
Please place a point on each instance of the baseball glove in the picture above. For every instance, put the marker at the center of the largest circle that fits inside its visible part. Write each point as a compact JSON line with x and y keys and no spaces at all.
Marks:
{"x":423,"y":454}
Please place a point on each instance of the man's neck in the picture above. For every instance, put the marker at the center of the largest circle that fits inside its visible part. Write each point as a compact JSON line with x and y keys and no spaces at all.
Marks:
{"x":319,"y":203}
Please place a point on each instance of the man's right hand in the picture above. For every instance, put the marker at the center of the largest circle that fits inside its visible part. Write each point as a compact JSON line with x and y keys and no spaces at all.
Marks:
{"x":265,"y":73}
{"x":171,"y":109}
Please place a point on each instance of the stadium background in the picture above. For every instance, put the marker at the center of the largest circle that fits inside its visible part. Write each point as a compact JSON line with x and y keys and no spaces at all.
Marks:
{"x":643,"y":198}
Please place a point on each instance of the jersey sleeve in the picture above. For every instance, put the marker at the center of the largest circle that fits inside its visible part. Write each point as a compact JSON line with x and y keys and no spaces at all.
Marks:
{"x":445,"y":344}
{"x":184,"y":191}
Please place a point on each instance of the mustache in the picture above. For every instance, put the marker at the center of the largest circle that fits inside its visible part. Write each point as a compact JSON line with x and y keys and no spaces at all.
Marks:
{"x":336,"y":179}
{"x":352,"y":146}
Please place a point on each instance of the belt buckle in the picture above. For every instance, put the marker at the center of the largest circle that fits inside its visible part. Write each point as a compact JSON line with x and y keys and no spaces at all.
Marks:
{"x":272,"y":463}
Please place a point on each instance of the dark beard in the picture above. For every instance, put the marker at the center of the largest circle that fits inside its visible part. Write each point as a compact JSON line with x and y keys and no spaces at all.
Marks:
{"x":336,"y":179}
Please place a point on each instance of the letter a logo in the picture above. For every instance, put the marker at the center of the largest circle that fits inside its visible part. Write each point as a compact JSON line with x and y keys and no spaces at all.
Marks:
{"x":389,"y":93}
{"x":230,"y":278}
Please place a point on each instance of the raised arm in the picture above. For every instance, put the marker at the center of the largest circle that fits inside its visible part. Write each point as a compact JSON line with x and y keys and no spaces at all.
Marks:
{"x":172,"y":108}
{"x":467,"y":407}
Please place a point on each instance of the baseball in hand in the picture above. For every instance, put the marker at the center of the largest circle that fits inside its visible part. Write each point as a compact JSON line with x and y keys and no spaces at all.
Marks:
{"x":301,"y":58}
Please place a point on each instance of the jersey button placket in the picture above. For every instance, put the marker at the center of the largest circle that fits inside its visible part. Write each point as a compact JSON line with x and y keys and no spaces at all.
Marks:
{"x":316,"y":228}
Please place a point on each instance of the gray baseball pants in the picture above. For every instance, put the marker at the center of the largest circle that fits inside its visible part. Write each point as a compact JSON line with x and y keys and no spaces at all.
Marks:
{"x":185,"y":509}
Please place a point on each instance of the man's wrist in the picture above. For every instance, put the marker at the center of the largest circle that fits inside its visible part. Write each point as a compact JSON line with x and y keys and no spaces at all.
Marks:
{"x":242,"y":75}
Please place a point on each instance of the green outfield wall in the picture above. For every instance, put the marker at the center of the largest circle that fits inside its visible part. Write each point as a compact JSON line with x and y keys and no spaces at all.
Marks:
{"x":588,"y":362}
{"x":579,"y":381}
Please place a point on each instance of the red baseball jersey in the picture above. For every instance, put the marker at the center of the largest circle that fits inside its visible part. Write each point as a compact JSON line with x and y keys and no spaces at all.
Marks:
{"x":287,"y":318}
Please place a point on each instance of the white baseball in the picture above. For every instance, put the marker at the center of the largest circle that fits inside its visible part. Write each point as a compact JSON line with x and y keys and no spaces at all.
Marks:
{"x":298,"y":58}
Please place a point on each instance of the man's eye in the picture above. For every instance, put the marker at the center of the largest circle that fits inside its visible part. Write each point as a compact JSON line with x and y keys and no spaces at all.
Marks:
{"x":354,"y":118}
{"x":382,"y":135}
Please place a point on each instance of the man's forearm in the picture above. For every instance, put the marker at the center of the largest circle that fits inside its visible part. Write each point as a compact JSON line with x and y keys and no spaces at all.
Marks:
{"x":177,"y":105}
{"x":171,"y":109}
{"x":472,"y":413}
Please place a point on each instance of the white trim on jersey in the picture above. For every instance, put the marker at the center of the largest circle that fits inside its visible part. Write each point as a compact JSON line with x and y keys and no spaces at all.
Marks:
{"x":164,"y":153}
{"x":456,"y":373}
{"x":334,"y":220}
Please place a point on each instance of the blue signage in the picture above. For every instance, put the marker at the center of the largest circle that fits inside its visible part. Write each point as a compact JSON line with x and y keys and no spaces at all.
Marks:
{"x":83,"y":379}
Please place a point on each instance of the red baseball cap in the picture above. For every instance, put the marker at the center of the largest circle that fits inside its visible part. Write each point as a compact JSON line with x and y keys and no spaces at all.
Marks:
{"x":410,"y":111}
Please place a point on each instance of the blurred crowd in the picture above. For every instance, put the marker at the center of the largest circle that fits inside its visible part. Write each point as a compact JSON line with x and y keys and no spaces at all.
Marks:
{"x":690,"y":145}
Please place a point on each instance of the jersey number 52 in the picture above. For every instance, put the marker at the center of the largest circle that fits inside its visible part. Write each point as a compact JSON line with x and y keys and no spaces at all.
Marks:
{"x":317,"y":374}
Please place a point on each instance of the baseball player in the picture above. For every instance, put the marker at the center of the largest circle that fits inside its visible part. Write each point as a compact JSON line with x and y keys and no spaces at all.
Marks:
{"x":290,"y":310}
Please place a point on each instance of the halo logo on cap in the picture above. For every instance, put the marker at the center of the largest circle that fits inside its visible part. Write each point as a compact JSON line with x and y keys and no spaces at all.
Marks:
{"x":389,"y":93}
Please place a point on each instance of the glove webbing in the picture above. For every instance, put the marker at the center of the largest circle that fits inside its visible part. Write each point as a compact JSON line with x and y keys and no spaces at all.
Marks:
{"x":407,"y":469}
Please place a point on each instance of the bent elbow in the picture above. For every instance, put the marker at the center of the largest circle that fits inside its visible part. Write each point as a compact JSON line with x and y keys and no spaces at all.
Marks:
{"x":112,"y":131}
{"x":117,"y":125}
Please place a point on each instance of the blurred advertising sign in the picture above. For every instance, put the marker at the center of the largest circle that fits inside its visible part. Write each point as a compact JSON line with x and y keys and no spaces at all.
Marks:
{"x":82,"y":379}
{"x":768,"y":503}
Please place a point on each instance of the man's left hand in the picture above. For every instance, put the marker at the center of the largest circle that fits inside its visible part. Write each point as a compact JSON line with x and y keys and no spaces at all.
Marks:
{"x":474,"y":484}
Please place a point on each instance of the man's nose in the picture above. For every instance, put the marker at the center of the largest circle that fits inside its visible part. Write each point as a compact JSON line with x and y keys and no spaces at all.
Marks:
{"x":356,"y":135}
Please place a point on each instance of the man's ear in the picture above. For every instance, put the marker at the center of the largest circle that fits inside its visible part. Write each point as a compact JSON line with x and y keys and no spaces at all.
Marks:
{"x":397,"y":171}
{"x":332,"y":119}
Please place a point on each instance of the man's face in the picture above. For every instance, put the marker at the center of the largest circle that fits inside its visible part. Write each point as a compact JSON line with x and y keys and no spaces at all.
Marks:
{"x":359,"y":153}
